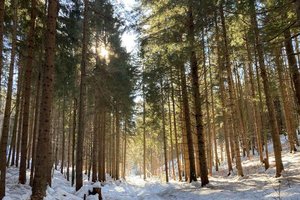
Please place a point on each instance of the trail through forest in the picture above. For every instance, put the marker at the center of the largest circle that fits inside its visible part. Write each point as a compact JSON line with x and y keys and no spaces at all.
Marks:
{"x":168,"y":99}
{"x":257,"y":184}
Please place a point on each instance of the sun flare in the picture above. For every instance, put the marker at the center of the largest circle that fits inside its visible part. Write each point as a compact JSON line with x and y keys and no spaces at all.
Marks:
{"x":104,"y":53}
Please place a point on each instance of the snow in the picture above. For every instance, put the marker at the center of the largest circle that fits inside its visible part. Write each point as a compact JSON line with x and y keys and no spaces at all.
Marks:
{"x":15,"y":191}
{"x":256,"y":184}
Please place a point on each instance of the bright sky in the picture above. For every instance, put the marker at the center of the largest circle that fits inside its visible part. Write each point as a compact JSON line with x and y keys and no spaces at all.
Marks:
{"x":128,"y":38}
{"x":128,"y":3}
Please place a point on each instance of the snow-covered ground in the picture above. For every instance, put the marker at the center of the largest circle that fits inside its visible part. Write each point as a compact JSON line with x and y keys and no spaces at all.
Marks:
{"x":256,"y":184}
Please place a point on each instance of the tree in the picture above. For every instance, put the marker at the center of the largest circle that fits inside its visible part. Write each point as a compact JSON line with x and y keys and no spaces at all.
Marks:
{"x":196,"y":95}
{"x":269,"y":98}
{"x":2,"y":11}
{"x":7,"y":111}
{"x":43,"y":158}
{"x":232,"y":96}
{"x":27,"y":92}
{"x":81,"y":111}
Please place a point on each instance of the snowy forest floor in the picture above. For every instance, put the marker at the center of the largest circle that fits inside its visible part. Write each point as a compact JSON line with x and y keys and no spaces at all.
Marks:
{"x":256,"y":184}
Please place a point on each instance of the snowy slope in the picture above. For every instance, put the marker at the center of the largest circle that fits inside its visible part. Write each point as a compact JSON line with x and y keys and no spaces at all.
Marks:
{"x":257,"y":184}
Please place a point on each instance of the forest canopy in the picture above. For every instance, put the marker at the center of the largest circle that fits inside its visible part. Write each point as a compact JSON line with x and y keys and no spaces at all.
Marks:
{"x":208,"y":85}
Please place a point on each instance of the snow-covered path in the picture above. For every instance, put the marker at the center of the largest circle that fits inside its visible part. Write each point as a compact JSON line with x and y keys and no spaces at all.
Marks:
{"x":256,"y":184}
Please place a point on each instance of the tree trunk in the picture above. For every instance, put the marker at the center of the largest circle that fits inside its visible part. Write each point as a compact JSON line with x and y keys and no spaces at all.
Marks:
{"x":287,"y":108}
{"x":81,"y":112}
{"x":292,"y":64}
{"x":209,"y":132}
{"x":223,"y":99}
{"x":232,"y":98}
{"x":175,"y":130}
{"x":63,"y":136}
{"x":188,"y":130}
{"x":125,"y":149}
{"x":164,"y":129}
{"x":101,"y":141}
{"x":56,"y":131}
{"x":31,"y":121}
{"x":112,"y":149}
{"x":27,"y":93}
{"x":117,"y":142}
{"x":297,"y":6}
{"x":171,"y":137}
{"x":196,"y":97}
{"x":103,"y":146}
{"x":269,"y":98}
{"x":95,"y":142}
{"x":20,"y":129}
{"x":255,"y":113}
{"x":7,"y":111}
{"x":262,"y":116}
{"x":144,"y":133}
{"x":69,"y":144}
{"x":2,"y":11}
{"x":15,"y":126}
{"x":42,"y":169}
{"x":35,"y":130}
{"x":241,"y":111}
{"x":213,"y":120}
{"x":74,"y":140}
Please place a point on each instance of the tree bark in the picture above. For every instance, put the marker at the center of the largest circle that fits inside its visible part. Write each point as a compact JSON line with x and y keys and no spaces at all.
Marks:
{"x":95,"y":142}
{"x":42,"y":169}
{"x":232,"y":97}
{"x":74,"y":140}
{"x":175,"y":129}
{"x":262,"y":116}
{"x":241,"y":111}
{"x":209,"y":132}
{"x":81,"y":112}
{"x":27,"y":93}
{"x":100,"y":141}
{"x":30,"y":139}
{"x":188,"y":130}
{"x":63,"y":136}
{"x":2,"y":11}
{"x":294,"y":71}
{"x":171,"y":137}
{"x":269,"y":98}
{"x":287,"y":108}
{"x":103,"y":146}
{"x":164,"y":129}
{"x":255,"y":113}
{"x":20,"y":128}
{"x":125,"y":149}
{"x":117,"y":142}
{"x":19,"y":88}
{"x":196,"y":96}
{"x":69,"y":144}
{"x":223,"y":99}
{"x":7,"y":111}
{"x":213,"y":120}
{"x":35,"y":130}
{"x":144,"y":133}
{"x":297,"y":6}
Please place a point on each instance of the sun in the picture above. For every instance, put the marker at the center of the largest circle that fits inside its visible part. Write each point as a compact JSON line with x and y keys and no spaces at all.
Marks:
{"x":104,"y":53}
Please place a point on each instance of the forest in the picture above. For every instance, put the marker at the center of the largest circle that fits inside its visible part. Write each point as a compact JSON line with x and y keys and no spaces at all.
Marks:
{"x":149,"y":99}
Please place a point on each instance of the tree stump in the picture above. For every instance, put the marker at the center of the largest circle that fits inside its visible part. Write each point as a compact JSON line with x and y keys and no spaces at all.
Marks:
{"x":96,"y":190}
